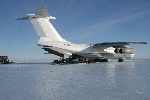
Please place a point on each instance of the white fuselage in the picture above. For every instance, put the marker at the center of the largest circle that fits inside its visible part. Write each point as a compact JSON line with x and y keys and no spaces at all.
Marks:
{"x":87,"y":51}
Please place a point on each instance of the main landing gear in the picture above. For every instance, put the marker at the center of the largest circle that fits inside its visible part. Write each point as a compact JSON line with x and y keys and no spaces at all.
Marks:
{"x":120,"y":60}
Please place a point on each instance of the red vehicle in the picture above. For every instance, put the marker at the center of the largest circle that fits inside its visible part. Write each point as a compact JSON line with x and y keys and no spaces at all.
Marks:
{"x":4,"y":60}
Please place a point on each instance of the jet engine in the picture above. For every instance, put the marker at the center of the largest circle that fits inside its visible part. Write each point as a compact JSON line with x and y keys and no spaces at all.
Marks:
{"x":117,"y":50}
{"x":124,"y":50}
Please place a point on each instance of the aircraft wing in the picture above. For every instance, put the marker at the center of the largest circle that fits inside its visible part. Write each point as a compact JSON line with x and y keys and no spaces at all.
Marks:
{"x":117,"y":44}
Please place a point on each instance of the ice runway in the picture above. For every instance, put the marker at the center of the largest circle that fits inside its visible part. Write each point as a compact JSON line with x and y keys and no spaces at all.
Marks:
{"x":129,"y":80}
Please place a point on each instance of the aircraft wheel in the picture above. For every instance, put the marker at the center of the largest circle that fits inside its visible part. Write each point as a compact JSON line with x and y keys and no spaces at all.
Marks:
{"x":120,"y":60}
{"x":3,"y":62}
{"x":104,"y":60}
{"x":98,"y":60}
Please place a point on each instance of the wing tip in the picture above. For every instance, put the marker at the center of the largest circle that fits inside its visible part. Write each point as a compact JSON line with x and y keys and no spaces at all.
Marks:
{"x":143,"y":43}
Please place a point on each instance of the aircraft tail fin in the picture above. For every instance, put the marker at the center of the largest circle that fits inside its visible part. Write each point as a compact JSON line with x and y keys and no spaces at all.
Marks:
{"x":42,"y":25}
{"x":43,"y":11}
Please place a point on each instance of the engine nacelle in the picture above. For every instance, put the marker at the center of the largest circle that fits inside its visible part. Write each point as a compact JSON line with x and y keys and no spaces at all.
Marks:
{"x":127,"y":50}
{"x":124,"y":50}
{"x":117,"y":50}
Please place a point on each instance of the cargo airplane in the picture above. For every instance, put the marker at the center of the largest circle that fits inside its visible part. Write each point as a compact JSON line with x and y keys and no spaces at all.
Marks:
{"x":53,"y":43}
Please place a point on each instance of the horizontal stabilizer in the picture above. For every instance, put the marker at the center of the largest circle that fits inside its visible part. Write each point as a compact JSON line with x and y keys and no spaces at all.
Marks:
{"x":24,"y":18}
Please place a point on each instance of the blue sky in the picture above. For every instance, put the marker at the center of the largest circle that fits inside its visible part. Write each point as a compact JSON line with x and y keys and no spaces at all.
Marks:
{"x":78,"y":21}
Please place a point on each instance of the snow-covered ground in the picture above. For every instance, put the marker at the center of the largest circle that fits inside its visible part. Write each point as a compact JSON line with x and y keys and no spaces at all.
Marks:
{"x":128,"y":80}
